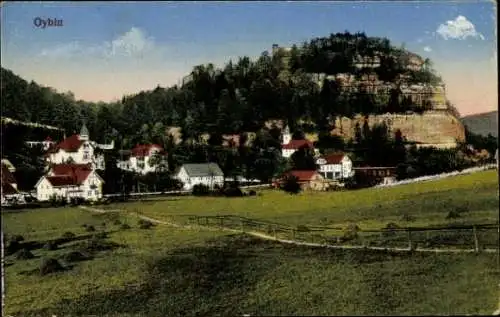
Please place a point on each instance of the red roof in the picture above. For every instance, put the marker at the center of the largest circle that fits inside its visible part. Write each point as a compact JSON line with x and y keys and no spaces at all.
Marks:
{"x":141,"y":150}
{"x":302,"y":176}
{"x":7,"y":176}
{"x":69,"y":174}
{"x":297,"y":144}
{"x":71,"y":144}
{"x":333,"y":158}
{"x":7,"y":180}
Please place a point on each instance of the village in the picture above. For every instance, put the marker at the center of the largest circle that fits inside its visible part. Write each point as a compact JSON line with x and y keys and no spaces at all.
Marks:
{"x":72,"y":165}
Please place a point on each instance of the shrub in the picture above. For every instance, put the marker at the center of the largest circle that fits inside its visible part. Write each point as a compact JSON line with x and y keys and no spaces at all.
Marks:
{"x":408,"y":218}
{"x":390,"y":229}
{"x":50,"y":266}
{"x":462,"y":209}
{"x":75,"y":201}
{"x":24,"y":254}
{"x":350,"y":232}
{"x":252,"y":193}
{"x":50,"y":246}
{"x":233,"y":192}
{"x":117,"y":222}
{"x":75,"y":256}
{"x":453,"y":214}
{"x":144,"y":224}
{"x":17,"y":238}
{"x":124,"y":226}
{"x":68,"y":235}
{"x":95,"y":244}
{"x":302,"y":228}
{"x":291,"y":185}
{"x":90,"y":229}
{"x":101,"y":235}
{"x":200,"y":190}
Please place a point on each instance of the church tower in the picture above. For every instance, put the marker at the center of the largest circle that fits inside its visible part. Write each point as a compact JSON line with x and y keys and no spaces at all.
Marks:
{"x":84,"y":133}
{"x":286,"y":136}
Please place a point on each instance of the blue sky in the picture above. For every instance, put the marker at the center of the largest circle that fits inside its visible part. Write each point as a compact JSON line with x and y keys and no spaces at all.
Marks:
{"x":105,"y":50}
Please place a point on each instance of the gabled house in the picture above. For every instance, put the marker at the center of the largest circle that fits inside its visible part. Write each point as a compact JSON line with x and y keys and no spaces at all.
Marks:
{"x":208,"y":174}
{"x":290,"y":146}
{"x":335,"y":166}
{"x":9,"y":184}
{"x":70,"y":181}
{"x":145,"y":158}
{"x":78,"y":149}
{"x":308,"y":179}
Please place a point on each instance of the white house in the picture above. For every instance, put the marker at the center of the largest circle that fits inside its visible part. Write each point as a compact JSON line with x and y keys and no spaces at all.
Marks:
{"x":78,"y":149}
{"x":9,"y":184}
{"x":45,"y":144}
{"x":143,"y":159}
{"x":335,"y":166}
{"x":290,"y":146}
{"x":68,"y":181}
{"x":208,"y":174}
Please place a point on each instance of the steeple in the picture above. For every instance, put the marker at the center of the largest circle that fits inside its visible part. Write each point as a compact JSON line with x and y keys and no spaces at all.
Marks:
{"x":286,"y":136}
{"x":84,"y":133}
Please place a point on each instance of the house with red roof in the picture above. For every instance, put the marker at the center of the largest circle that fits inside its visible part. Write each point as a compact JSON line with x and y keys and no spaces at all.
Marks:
{"x":335,"y":166}
{"x":70,"y":181}
{"x":145,"y":158}
{"x":9,"y":184}
{"x":78,"y":149}
{"x":308,"y":179}
{"x":290,"y":146}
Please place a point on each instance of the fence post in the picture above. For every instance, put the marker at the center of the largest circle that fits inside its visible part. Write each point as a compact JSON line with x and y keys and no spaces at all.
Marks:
{"x":274,"y":231}
{"x":242,"y":225}
{"x":410,"y":243}
{"x":221,"y":222}
{"x":293,"y":234}
{"x":476,"y":240}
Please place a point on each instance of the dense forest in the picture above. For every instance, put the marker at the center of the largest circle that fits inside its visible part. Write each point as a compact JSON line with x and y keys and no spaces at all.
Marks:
{"x":239,"y":97}
{"x":293,"y":84}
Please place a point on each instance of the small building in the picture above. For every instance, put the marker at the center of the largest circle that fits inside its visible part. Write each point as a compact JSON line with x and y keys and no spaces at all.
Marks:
{"x":78,"y":149}
{"x":9,"y":184}
{"x":335,"y":166}
{"x":290,"y":146}
{"x":386,"y":173}
{"x":70,"y":181}
{"x":308,"y":179}
{"x":208,"y":174}
{"x":145,"y":158}
{"x":46,"y":144}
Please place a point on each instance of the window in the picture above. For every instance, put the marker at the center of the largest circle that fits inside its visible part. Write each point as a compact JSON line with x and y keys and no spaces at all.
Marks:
{"x":90,"y":193}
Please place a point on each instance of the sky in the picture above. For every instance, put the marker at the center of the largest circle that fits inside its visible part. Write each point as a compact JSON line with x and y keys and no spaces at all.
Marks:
{"x":101,"y":51}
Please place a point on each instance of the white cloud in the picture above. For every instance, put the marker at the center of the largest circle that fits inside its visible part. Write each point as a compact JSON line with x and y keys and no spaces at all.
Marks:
{"x":427,"y":49}
{"x":458,"y":29}
{"x":133,"y":43}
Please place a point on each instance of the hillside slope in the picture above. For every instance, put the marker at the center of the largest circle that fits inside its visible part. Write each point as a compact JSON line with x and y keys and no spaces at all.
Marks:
{"x":482,"y":123}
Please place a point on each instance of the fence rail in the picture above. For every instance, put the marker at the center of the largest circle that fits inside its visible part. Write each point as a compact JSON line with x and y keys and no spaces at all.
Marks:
{"x":460,"y":237}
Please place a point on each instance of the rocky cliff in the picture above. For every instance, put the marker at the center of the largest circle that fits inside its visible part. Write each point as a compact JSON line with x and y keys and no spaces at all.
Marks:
{"x":431,"y":128}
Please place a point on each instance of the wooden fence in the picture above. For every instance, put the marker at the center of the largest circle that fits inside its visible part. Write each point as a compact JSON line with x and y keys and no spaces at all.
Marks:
{"x":470,"y":237}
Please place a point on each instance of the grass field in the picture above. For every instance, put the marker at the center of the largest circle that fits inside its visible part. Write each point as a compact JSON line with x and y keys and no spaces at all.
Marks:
{"x":427,"y":202}
{"x":170,"y":272}
{"x":166,"y":271}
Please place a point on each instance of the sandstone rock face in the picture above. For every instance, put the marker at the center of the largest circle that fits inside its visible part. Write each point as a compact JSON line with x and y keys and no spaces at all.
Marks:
{"x":432,"y":127}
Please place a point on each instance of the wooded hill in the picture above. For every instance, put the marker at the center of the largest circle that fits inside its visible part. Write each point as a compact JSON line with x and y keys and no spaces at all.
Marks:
{"x":300,"y":83}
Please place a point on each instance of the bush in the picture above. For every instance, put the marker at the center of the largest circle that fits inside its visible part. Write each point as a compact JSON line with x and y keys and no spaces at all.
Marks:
{"x":125,"y":226}
{"x":68,"y":235}
{"x":302,"y":228}
{"x":95,"y":244}
{"x":408,"y":218}
{"x":350,"y":232}
{"x":50,"y":246}
{"x":291,"y":185}
{"x":252,"y":193}
{"x":200,"y":190}
{"x":390,"y":229}
{"x":24,"y":254}
{"x":50,"y":266}
{"x":101,"y":235}
{"x":462,"y":209}
{"x":75,"y":201}
{"x":233,"y":192}
{"x":453,"y":214}
{"x":117,"y":222}
{"x":144,"y":224}
{"x":16,"y":238}
{"x":75,"y":256}
{"x":89,"y":228}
